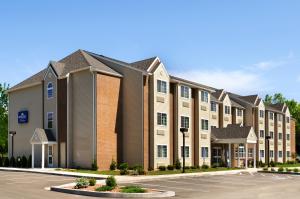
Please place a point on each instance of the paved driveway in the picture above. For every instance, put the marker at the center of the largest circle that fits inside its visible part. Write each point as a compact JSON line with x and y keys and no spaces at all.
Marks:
{"x":17,"y":185}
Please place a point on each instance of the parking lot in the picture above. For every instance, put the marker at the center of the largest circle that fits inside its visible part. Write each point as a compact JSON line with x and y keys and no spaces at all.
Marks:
{"x":17,"y":185}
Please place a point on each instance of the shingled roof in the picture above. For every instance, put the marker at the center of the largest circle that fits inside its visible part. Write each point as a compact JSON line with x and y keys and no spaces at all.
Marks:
{"x":143,"y":64}
{"x":235,"y":104}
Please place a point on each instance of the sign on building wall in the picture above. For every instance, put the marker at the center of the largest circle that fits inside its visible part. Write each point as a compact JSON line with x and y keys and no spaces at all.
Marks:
{"x":22,"y":117}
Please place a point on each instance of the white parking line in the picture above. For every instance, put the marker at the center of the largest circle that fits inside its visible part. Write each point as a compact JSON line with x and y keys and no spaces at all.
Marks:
{"x":171,"y":187}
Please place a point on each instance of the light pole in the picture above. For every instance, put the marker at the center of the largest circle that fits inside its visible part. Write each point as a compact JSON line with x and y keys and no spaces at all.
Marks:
{"x":12,"y":134}
{"x":268,"y":151}
{"x":183,"y":131}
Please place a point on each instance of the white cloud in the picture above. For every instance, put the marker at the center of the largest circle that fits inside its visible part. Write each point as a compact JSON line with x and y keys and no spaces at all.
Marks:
{"x":239,"y":81}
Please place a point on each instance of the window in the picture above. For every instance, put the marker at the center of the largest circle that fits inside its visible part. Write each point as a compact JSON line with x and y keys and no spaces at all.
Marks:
{"x":279,"y":118}
{"x":227,"y":110}
{"x":161,"y":86}
{"x":241,"y":150}
{"x":204,"y":124}
{"x":280,"y":136}
{"x":213,"y":107}
{"x":186,"y":151}
{"x":250,"y":153}
{"x":287,"y":136}
{"x":50,"y":120}
{"x":271,"y":153}
{"x":262,"y":153}
{"x":271,"y":115}
{"x":162,"y":151}
{"x":239,"y":112}
{"x":185,"y":91}
{"x":50,"y":155}
{"x":204,"y":152}
{"x":162,"y":119}
{"x":261,"y":113}
{"x":50,"y":90}
{"x":288,"y":154}
{"x":184,"y":122}
{"x":287,"y":120}
{"x":280,"y":154}
{"x":272,"y":134}
{"x":204,"y":96}
{"x":262,"y":133}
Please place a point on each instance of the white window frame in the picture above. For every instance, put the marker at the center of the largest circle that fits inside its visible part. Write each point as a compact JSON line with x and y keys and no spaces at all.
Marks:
{"x":280,"y":136}
{"x":186,"y":151}
{"x":185,"y":91}
{"x":262,"y":134}
{"x":279,"y":154}
{"x":48,"y":89}
{"x":271,"y":154}
{"x":204,"y":96}
{"x":161,"y":88}
{"x":239,"y":112}
{"x":250,"y":152}
{"x":202,"y":126}
{"x":50,"y":156}
{"x":161,"y":119}
{"x":271,"y":115}
{"x":227,"y":110}
{"x":206,"y":152}
{"x":183,"y":120}
{"x":271,"y":134}
{"x":50,"y":113}
{"x":262,"y":153}
{"x":162,"y":152}
{"x":288,"y":154}
{"x":213,"y":107}
{"x":288,"y":137}
{"x":279,"y":117}
{"x":287,"y":119}
{"x":261,"y":113}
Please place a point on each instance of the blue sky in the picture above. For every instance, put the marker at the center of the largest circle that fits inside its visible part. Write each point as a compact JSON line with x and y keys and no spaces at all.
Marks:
{"x":243,"y":46}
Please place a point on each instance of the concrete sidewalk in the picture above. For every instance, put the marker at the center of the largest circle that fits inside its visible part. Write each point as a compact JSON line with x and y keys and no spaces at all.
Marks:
{"x":123,"y":179}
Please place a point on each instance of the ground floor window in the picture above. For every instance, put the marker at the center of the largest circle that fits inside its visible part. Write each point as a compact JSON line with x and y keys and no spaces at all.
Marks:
{"x":271,"y":153}
{"x":186,"y":151}
{"x":280,"y":154}
{"x":250,"y":153}
{"x":288,"y":154}
{"x":162,"y":151}
{"x":50,"y":155}
{"x":262,"y":153}
{"x":240,"y":151}
{"x":204,"y":152}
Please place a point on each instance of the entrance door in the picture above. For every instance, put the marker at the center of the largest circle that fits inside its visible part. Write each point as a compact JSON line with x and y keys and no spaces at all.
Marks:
{"x":216,"y":156}
{"x":50,"y":156}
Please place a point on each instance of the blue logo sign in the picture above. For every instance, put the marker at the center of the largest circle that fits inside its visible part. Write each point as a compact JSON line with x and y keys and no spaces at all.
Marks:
{"x":23,"y":117}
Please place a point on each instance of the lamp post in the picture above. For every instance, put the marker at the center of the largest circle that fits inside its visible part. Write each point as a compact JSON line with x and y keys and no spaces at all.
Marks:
{"x":268,"y":151}
{"x":183,"y":131}
{"x":12,"y":134}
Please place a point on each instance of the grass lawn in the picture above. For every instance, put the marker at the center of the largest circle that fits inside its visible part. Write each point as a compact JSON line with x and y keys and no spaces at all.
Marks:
{"x":156,"y":172}
{"x":288,"y":165}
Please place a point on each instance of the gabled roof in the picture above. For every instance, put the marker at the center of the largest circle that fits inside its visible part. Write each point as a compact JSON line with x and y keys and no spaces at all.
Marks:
{"x":213,"y":99}
{"x":190,"y":83}
{"x":277,"y":108}
{"x":219,"y":94}
{"x":42,"y":136}
{"x":250,"y":98}
{"x":241,"y":100}
{"x":235,"y":104}
{"x":143,"y":64}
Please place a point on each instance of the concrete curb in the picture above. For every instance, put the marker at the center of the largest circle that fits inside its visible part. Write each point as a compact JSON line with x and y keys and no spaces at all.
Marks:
{"x":276,"y":172}
{"x":158,"y":194}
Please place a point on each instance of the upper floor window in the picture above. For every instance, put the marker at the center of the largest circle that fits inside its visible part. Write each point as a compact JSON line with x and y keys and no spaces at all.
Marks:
{"x":162,"y":119}
{"x":204,"y":124}
{"x":272,"y":134}
{"x":261,"y":113}
{"x":185,"y":122}
{"x":262,"y":153}
{"x":279,"y":117}
{"x":186,"y":151}
{"x":204,"y":96}
{"x":213,"y":107}
{"x":271,"y":153}
{"x":262,"y":133}
{"x":287,"y":120}
{"x":280,"y":136}
{"x":185,"y":91}
{"x":50,"y":120}
{"x":239,"y":112}
{"x":288,"y":154}
{"x":227,"y":110}
{"x":161,"y":86}
{"x":280,"y":154}
{"x":271,"y":115}
{"x":287,"y":136}
{"x":50,"y":90}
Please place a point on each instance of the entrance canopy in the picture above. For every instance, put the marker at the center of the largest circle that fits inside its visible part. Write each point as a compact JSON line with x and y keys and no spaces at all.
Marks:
{"x":42,"y":136}
{"x":233,"y":133}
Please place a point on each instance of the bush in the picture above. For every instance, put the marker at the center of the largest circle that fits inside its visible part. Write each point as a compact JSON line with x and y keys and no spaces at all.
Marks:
{"x":124,"y":172}
{"x":104,"y":188}
{"x":81,"y":183}
{"x":288,"y":169}
{"x":162,"y":168}
{"x":12,"y":162}
{"x":123,"y":166}
{"x":113,"y":165}
{"x":261,"y":164}
{"x":214,"y":165}
{"x":280,"y":169}
{"x":265,"y":169}
{"x":187,"y":167}
{"x":29,"y":162}
{"x":94,"y":165}
{"x":170,"y":167}
{"x":18,"y":162}
{"x":139,"y":170}
{"x":272,"y":163}
{"x":92,"y":181}
{"x":296,"y":170}
{"x":132,"y":189}
{"x":6,"y":162}
{"x":111,"y":181}
{"x":205,"y":166}
{"x":290,"y":162}
{"x":178,"y":164}
{"x":24,"y":162}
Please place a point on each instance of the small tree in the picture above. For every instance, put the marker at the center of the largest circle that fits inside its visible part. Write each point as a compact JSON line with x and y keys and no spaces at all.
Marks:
{"x":113,"y":165}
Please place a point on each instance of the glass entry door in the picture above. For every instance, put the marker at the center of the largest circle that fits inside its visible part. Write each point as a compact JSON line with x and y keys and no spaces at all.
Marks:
{"x":216,"y":155}
{"x":50,"y":156}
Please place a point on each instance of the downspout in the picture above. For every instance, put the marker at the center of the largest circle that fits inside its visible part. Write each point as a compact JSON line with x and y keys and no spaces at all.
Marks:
{"x":94,"y":154}
{"x":68,"y":121}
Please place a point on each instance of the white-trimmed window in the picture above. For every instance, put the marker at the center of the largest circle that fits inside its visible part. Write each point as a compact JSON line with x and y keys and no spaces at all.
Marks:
{"x":213,"y":107}
{"x":271,"y":115}
{"x":49,"y":120}
{"x":272,"y":134}
{"x":241,"y":150}
{"x":186,"y":151}
{"x":162,"y":119}
{"x":280,"y":154}
{"x":261,"y":113}
{"x":161,"y":86}
{"x":279,"y":117}
{"x":271,"y":154}
{"x":185,"y":122}
{"x":280,"y":136}
{"x":204,"y":124}
{"x":227,"y":110}
{"x":262,"y":133}
{"x":162,"y":151}
{"x":288,"y":154}
{"x":287,"y":119}
{"x":250,"y":153}
{"x":50,"y":90}
{"x":204,"y":152}
{"x":239,"y":112}
{"x":185,"y":92}
{"x":262,"y":153}
{"x":204,"y":96}
{"x":287,"y":136}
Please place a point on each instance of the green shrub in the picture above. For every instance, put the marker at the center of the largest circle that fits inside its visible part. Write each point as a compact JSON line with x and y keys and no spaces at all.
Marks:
{"x":150,"y":169}
{"x":92,"y":181}
{"x":280,"y":169}
{"x":265,"y":169}
{"x":111,"y":181}
{"x":124,"y":172}
{"x":81,"y":183}
{"x":290,"y":162}
{"x":193,"y":167}
{"x":123,"y":166}
{"x":288,"y":169}
{"x":205,"y":166}
{"x":24,"y":163}
{"x":162,"y":168}
{"x":6,"y":162}
{"x":296,"y":170}
{"x":214,"y":165}
{"x":170,"y":167}
{"x":261,"y":164}
{"x":29,"y":162}
{"x":187,"y":167}
{"x":139,"y":170}
{"x":12,"y":162}
{"x":177,"y":164}
{"x":104,"y":188}
{"x":132,"y":189}
{"x":272,"y":163}
{"x":94,"y":165}
{"x":113,"y":165}
{"x":18,"y":162}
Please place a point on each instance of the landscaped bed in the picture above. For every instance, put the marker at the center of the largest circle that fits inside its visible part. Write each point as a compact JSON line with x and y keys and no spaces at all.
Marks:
{"x":281,"y":170}
{"x":90,"y":187}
